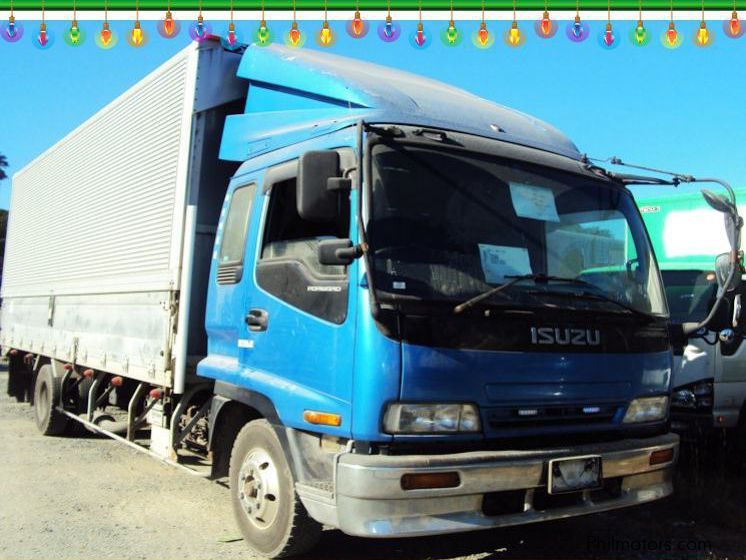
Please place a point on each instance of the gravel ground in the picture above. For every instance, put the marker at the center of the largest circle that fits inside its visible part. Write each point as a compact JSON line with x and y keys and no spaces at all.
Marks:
{"x":95,"y":498}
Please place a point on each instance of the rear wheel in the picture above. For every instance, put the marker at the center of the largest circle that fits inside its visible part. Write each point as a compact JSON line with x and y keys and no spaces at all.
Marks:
{"x":267,"y":509}
{"x":19,"y":380}
{"x":49,"y":420}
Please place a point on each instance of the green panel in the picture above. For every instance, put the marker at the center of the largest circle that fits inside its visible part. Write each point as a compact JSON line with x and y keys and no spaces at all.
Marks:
{"x":349,"y":5}
{"x":655,"y":212}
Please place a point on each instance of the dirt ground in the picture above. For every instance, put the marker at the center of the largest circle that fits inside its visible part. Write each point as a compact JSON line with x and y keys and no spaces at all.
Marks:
{"x":95,"y":498}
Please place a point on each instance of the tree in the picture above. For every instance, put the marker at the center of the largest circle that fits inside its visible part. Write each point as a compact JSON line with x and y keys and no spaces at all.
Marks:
{"x":3,"y":165}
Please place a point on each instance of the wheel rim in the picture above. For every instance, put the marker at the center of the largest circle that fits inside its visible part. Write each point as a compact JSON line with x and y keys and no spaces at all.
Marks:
{"x":42,"y":403}
{"x":259,"y":488}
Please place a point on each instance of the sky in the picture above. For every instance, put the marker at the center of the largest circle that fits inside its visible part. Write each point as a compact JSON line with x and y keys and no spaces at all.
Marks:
{"x":675,"y":109}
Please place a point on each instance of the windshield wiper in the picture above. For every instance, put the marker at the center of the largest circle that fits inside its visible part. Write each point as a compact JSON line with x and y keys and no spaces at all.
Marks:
{"x":604,"y":298}
{"x":538,"y":278}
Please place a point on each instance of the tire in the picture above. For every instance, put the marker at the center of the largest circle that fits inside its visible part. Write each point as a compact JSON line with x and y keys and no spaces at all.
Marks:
{"x":15,"y":389}
{"x":19,"y":380}
{"x":268,"y":512}
{"x":49,"y":420}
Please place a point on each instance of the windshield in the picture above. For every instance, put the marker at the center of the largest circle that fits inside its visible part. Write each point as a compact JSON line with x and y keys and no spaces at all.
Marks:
{"x":450,"y":226}
{"x":690,"y":294}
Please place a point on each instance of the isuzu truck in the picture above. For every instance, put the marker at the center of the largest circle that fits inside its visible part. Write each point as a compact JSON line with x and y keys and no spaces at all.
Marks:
{"x":354,"y":291}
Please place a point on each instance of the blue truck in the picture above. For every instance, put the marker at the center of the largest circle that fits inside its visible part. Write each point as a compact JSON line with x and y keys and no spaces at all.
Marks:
{"x":353,"y":291}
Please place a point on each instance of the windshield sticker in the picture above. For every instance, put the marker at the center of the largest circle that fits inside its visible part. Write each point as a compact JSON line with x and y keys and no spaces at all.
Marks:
{"x":499,"y":261}
{"x":399,"y":285}
{"x":532,"y":202}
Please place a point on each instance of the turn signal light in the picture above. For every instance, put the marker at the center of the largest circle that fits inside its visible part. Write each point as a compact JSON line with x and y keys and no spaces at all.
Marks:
{"x":424,"y":481}
{"x":661,"y":456}
{"x":322,"y":418}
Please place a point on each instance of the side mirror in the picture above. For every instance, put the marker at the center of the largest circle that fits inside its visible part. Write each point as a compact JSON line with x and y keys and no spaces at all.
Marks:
{"x":730,"y":215}
{"x":722,"y":272}
{"x":718,"y":202}
{"x":338,"y":252}
{"x":728,"y":266}
{"x":316,"y":201}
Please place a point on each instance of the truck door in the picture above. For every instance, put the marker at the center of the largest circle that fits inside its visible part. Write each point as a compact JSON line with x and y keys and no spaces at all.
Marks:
{"x":224,"y":314}
{"x":299,"y":313}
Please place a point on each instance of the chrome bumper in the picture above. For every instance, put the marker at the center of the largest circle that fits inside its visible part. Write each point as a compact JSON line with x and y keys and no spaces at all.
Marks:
{"x":369,"y":500}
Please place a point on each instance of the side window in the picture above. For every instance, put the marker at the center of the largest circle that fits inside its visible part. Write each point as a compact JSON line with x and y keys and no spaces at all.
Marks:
{"x":233,"y":243}
{"x":289,"y":266}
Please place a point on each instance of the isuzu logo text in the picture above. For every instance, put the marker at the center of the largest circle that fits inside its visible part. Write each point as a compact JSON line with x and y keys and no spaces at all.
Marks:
{"x":565,"y":337}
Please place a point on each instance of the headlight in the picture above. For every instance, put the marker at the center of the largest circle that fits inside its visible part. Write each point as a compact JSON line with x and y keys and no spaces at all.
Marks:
{"x":430,"y":418}
{"x":646,"y":409}
{"x":693,"y":396}
{"x":683,"y":398}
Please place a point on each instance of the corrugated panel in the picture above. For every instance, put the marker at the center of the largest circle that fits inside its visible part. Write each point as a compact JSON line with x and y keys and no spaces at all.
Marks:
{"x":96,"y":212}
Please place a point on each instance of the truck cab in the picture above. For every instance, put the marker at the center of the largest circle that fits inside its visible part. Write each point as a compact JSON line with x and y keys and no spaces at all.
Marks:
{"x":709,"y":378}
{"x":397,"y":289}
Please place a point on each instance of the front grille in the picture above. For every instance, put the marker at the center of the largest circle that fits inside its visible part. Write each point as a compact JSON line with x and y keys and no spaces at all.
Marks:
{"x":530,"y":415}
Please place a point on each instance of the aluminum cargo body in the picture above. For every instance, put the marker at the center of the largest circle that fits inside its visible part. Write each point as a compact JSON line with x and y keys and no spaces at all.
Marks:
{"x":104,"y":222}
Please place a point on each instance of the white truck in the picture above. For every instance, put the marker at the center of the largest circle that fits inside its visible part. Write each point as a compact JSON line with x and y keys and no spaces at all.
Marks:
{"x":709,"y":378}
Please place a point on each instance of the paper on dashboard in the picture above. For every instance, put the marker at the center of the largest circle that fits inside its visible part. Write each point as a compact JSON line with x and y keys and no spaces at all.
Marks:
{"x":500,"y":261}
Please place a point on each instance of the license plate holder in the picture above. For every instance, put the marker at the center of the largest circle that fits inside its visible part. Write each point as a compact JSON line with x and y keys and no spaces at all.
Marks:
{"x":574,"y":474}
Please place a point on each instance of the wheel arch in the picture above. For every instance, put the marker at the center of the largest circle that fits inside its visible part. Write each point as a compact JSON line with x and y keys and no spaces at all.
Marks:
{"x":232,"y":408}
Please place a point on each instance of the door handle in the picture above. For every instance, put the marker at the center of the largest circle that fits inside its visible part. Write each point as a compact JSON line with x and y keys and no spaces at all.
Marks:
{"x":257,"y":320}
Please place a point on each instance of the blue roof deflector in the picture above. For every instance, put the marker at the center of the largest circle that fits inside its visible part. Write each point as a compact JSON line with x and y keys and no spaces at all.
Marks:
{"x":297,"y":94}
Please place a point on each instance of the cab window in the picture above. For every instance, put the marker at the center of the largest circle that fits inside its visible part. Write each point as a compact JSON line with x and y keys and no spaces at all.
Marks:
{"x":233,"y":244}
{"x":289,"y":267}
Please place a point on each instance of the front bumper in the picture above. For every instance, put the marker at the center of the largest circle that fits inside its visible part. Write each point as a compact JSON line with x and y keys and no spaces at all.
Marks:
{"x":497,"y":488}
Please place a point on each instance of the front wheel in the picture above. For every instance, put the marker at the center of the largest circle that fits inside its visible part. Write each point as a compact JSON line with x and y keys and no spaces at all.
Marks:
{"x":269,"y":513}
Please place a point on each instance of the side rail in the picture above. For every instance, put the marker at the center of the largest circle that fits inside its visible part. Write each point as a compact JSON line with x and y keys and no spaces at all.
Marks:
{"x":71,"y":399}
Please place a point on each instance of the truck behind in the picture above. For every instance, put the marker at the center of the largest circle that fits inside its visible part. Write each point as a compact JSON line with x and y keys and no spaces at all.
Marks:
{"x":709,"y":375}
